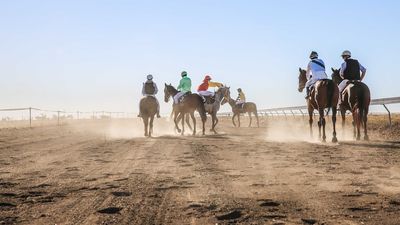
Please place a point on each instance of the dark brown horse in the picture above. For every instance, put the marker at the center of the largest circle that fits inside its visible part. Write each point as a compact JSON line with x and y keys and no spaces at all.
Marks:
{"x":356,"y":98}
{"x":248,"y":107}
{"x":324,"y":95}
{"x":189,"y":104}
{"x":148,"y":109}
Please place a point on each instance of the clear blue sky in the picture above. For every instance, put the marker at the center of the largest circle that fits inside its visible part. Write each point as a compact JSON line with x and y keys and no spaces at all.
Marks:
{"x":91,"y":55}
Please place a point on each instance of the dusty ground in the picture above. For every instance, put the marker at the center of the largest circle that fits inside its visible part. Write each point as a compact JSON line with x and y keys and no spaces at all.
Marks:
{"x":105,"y":173}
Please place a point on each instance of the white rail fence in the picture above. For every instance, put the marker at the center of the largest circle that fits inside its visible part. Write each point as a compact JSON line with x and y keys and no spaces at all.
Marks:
{"x":302,"y":110}
{"x":62,"y":115}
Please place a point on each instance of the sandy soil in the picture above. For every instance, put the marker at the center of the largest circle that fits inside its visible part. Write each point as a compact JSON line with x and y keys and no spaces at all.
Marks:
{"x":105,"y":173}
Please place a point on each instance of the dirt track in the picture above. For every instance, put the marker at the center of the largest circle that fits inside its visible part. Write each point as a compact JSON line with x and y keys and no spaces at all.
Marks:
{"x":91,"y":174}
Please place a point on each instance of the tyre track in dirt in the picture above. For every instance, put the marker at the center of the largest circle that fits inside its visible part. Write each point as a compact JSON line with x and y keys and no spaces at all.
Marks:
{"x":236,"y":177}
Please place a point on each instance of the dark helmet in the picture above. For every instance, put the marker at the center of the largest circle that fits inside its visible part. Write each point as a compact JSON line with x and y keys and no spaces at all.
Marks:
{"x":239,"y":90}
{"x":184,"y":74}
{"x":313,"y":55}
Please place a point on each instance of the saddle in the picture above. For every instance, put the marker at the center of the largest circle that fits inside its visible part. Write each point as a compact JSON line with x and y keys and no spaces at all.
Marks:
{"x":208,"y":99}
{"x":180,"y":100}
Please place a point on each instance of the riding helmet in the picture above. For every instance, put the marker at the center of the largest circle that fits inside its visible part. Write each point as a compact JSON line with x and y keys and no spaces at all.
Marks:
{"x":184,"y":74}
{"x":313,"y":55}
{"x":239,"y":90}
{"x":346,"y":53}
{"x":149,"y":77}
{"x":207,"y":77}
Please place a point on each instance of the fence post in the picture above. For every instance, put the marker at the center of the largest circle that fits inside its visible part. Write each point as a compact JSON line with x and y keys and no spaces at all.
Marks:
{"x":390,"y":118}
{"x":58,"y":118}
{"x":30,"y":116}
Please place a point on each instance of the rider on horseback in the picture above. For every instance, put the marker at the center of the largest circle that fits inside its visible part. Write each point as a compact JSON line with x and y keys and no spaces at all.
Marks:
{"x":241,"y":99}
{"x":150,"y":89}
{"x":315,"y":72}
{"x":207,"y":83}
{"x":184,"y":87}
{"x":350,"y":70}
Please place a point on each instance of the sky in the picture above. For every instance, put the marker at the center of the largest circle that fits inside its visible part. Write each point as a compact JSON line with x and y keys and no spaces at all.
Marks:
{"x":95,"y":55}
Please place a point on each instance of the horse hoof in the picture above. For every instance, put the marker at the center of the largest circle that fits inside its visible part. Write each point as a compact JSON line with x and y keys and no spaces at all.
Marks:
{"x":366,"y":138}
{"x":323,"y":140}
{"x":179,"y":131}
{"x":334,"y":140}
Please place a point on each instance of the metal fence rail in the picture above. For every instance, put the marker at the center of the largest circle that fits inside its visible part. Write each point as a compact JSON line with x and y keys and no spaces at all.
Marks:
{"x":292,"y":110}
{"x":302,"y":110}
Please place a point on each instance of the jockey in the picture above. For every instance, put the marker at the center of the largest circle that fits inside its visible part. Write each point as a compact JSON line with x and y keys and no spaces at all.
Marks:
{"x":350,"y":70}
{"x":207,"y":83}
{"x":315,"y":71}
{"x":150,"y":89}
{"x":241,"y":99}
{"x":185,"y":86}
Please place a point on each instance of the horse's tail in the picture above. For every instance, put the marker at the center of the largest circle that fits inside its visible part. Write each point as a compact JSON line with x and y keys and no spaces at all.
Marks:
{"x":362,"y":101}
{"x":330,"y":92}
{"x":201,"y":109}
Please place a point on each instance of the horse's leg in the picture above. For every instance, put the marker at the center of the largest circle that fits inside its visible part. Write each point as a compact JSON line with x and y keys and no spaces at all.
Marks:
{"x":321,"y":124}
{"x":238,"y":116}
{"x":176,"y":121}
{"x":343,"y":114}
{"x":188,"y":122}
{"x":355,"y":124}
{"x":151,"y":125}
{"x":212,"y":122}
{"x":233,"y":119}
{"x":194,"y":122}
{"x":310,"y":121}
{"x":358,"y":123}
{"x":365,"y":119}
{"x":256,"y":114}
{"x":146,"y":125}
{"x":216,"y":122}
{"x":249,"y":113}
{"x":183,"y":123}
{"x":334,"y":111}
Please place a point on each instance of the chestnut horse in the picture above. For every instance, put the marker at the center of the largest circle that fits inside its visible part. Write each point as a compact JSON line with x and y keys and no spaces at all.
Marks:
{"x":356,"y":98}
{"x":248,"y":107}
{"x":189,"y":104}
{"x":324,"y":95}
{"x":148,"y":109}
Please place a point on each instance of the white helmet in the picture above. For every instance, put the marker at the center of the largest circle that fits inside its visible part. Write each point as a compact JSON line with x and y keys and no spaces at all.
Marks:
{"x":313,"y":55}
{"x":346,"y":53}
{"x":149,"y":77}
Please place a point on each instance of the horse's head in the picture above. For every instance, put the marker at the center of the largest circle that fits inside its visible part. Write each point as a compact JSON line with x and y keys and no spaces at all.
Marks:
{"x":226,"y":91}
{"x":336,"y":78}
{"x":302,"y":79}
{"x":169,"y":91}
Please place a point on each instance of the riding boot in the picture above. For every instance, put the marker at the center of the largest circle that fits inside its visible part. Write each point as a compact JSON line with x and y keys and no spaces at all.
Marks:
{"x":307,"y":93}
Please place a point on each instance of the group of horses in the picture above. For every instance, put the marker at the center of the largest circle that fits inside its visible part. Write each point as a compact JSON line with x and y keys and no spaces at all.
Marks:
{"x":194,"y":102}
{"x":325,"y":95}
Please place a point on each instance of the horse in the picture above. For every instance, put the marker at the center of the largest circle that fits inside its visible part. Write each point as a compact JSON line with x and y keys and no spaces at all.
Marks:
{"x":189,"y":104}
{"x":356,"y":98}
{"x":174,"y":113}
{"x":213,"y":108}
{"x":148,"y":109}
{"x":248,"y":107}
{"x":325,"y":94}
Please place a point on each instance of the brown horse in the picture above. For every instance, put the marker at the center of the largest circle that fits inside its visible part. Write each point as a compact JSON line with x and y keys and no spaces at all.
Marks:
{"x":248,"y":107}
{"x":189,"y":104}
{"x":148,"y":109}
{"x":324,"y":95}
{"x":356,"y":98}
